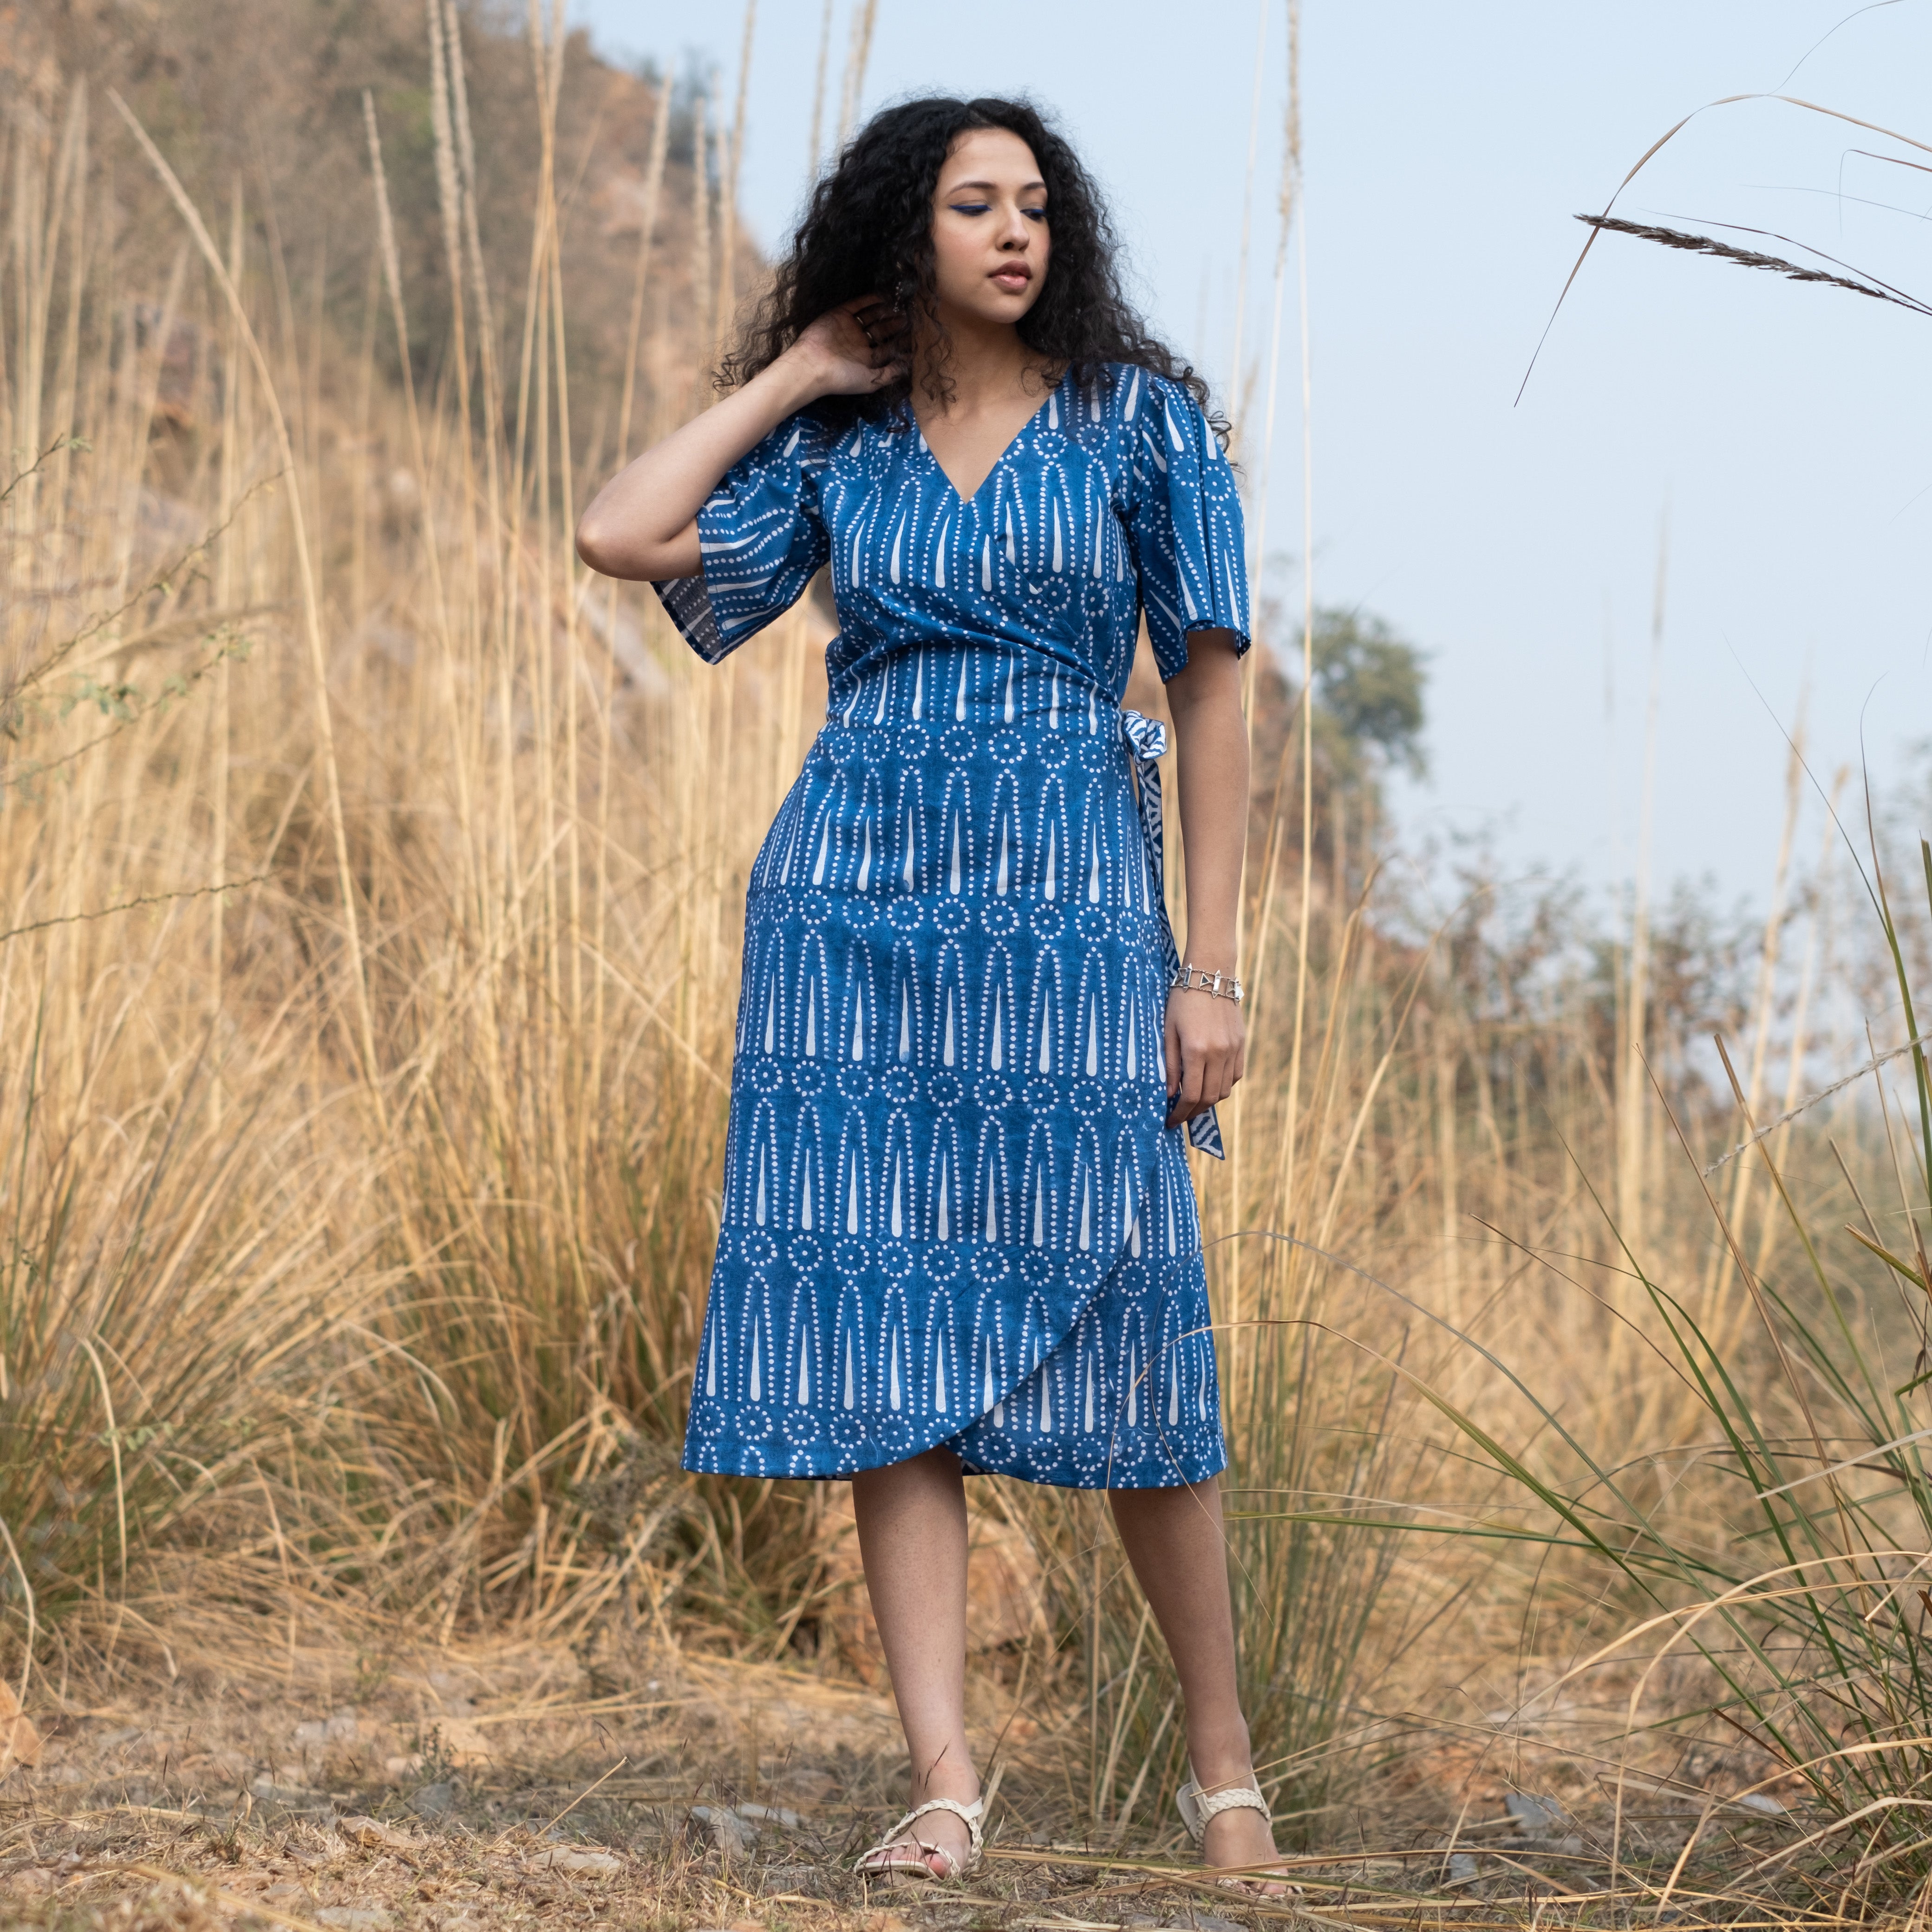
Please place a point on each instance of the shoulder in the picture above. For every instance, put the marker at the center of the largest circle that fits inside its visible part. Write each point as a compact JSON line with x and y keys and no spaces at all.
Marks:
{"x":1156,"y":408}
{"x":1174,"y":401}
{"x":843,"y":439}
{"x":805,"y":438}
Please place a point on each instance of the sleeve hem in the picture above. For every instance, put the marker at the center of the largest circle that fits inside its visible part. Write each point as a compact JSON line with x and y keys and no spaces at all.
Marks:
{"x":687,"y":603}
{"x":1243,"y":643}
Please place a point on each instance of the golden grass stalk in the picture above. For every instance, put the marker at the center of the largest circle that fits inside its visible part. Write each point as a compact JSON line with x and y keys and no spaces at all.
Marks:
{"x":814,"y":141}
{"x":310,"y":600}
{"x":858,"y":55}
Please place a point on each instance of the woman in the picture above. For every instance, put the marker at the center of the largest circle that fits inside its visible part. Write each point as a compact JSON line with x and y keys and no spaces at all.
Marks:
{"x":958,"y":1233}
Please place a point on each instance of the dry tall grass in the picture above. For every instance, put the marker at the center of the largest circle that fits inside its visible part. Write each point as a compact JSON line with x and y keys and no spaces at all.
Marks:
{"x":369,"y":899}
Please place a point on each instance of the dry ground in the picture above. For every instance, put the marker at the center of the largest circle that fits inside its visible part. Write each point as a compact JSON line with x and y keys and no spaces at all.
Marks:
{"x":520,"y":1786}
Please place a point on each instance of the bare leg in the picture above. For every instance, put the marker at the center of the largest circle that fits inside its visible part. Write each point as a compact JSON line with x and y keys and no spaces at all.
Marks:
{"x":1177,"y":1544}
{"x":912,"y":1536}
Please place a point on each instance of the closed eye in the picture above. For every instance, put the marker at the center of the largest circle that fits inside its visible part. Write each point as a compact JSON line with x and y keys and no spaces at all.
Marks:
{"x":985,"y":207}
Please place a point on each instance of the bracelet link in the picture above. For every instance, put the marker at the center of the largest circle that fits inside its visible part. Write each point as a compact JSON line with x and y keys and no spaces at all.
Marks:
{"x":1188,"y":978}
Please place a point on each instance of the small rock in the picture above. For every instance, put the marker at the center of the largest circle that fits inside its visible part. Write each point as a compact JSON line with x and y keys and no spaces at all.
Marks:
{"x":265,"y":1790}
{"x":32,"y":1882}
{"x":435,"y":1801}
{"x":808,"y":1880}
{"x":566,"y":1858}
{"x":770,"y":1814}
{"x":729,"y":1832}
{"x":1759,"y":1800}
{"x":352,"y":1918}
{"x":462,"y":1742}
{"x":1534,"y":1817}
{"x":341,"y":1728}
{"x":1463,"y":1868}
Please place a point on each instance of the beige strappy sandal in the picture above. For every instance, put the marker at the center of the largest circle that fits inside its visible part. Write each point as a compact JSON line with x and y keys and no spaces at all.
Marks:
{"x":1198,"y":1808}
{"x":901,"y":1861}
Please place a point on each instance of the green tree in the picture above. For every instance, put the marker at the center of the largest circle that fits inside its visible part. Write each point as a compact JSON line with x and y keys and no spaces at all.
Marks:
{"x":1369,"y":695}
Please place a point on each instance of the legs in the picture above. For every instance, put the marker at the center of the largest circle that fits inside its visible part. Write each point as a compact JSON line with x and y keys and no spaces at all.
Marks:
{"x":912,"y":1536}
{"x":1175,"y":1540}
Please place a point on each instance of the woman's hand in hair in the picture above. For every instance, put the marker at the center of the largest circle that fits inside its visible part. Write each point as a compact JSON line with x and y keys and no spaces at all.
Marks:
{"x":642,"y":524}
{"x":853,"y":349}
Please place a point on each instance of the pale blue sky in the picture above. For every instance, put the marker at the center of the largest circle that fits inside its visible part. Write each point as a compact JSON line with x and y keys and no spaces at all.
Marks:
{"x":1780,"y":430}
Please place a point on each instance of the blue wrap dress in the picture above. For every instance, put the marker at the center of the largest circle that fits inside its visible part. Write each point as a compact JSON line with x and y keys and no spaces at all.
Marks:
{"x":952,"y":1213}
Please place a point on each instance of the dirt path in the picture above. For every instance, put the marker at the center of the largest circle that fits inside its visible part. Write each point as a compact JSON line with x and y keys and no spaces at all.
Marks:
{"x":521,"y":1785}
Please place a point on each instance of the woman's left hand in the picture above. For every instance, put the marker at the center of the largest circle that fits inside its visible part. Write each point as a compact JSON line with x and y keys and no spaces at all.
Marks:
{"x":1207,"y":1051}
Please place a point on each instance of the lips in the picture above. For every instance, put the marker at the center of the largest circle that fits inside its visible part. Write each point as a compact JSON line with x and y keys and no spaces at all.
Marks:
{"x":1012,"y":279}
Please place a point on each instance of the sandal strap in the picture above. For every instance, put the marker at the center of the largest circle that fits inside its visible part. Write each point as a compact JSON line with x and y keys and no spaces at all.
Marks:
{"x":1235,"y":1798}
{"x":1198,"y":1808}
{"x":970,"y":1814}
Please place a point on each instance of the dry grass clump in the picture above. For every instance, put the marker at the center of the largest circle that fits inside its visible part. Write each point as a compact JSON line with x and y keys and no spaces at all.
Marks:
{"x":369,"y":895}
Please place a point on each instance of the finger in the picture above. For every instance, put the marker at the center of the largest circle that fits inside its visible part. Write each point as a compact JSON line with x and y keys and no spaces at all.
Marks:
{"x":1192,"y":1086}
{"x":1223,"y":1082}
{"x":1171,"y":1040}
{"x":1211,"y":1089}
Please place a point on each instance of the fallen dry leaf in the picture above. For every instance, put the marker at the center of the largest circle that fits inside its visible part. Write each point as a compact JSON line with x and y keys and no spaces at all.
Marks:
{"x":362,"y":1831}
{"x":566,"y":1858}
{"x":19,"y":1742}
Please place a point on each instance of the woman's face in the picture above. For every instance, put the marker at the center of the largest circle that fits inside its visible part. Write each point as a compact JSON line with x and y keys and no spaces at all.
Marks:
{"x":990,"y":239}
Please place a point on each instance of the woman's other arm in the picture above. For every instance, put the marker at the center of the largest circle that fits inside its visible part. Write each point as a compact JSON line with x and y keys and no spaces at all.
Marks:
{"x":1206,"y":1038}
{"x":643,"y":523}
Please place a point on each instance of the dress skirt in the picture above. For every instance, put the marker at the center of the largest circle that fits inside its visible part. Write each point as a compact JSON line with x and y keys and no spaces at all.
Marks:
{"x":952,"y":1213}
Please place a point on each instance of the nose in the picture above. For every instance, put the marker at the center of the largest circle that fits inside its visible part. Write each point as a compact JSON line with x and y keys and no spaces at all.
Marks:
{"x":1013,"y":235}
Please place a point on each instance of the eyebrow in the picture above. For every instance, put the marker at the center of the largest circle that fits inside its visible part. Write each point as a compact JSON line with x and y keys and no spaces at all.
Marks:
{"x":1027,"y":187}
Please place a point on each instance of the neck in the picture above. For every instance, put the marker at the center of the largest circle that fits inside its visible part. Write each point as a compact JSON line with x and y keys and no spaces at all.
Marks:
{"x":986,"y":362}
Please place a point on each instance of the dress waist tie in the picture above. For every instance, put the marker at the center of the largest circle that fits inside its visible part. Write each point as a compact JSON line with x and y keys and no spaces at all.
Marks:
{"x":1146,"y":740}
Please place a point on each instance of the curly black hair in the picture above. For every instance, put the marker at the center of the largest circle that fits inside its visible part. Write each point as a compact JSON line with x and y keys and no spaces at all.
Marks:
{"x":867,"y":229}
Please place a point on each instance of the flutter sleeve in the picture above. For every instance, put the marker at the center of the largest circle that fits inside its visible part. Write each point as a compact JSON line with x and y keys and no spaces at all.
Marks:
{"x":1184,"y":524}
{"x":761,"y":539}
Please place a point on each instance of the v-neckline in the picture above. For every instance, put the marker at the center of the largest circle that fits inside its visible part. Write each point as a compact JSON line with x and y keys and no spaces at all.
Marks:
{"x":963,"y":501}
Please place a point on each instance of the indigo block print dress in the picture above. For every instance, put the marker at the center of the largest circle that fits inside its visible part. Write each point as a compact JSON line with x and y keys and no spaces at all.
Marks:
{"x":951,"y":1213}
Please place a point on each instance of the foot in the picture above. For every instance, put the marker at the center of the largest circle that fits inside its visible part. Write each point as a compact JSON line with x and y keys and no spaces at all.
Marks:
{"x":1239,"y":1837}
{"x":939,"y":1845}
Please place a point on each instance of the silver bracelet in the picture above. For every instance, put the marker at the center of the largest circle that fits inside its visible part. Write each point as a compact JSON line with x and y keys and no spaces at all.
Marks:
{"x":1220,"y":985}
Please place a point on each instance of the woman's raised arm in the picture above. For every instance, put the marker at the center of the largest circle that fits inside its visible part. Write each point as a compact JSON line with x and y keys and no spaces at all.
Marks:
{"x":643,"y":523}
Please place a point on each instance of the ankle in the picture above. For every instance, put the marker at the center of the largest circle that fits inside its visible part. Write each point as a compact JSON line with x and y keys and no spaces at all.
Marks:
{"x":1221,"y":1755}
{"x":950,"y":1774}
